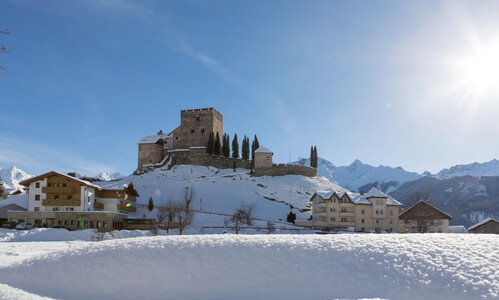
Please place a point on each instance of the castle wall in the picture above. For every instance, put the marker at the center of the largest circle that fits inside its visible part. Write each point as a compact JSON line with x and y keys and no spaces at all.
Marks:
{"x":285,"y":169}
{"x":149,"y":154}
{"x":198,"y":156}
{"x":263,"y":161}
{"x":196,"y":126}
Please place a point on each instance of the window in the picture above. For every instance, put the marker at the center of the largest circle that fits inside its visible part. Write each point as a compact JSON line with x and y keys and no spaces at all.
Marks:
{"x":69,"y":209}
{"x":56,"y":197}
{"x":49,"y":184}
{"x":37,"y":197}
{"x":64,"y":185}
{"x":37,"y":209}
{"x":377,"y":221}
{"x":391,"y":212}
{"x":391,"y":222}
{"x":56,"y":209}
{"x":97,"y":224}
{"x":104,"y":224}
{"x":70,"y":197}
{"x":197,"y":118}
{"x":37,"y":185}
{"x":59,"y":222}
{"x":343,"y":210}
{"x":66,"y":222}
{"x":363,"y":211}
{"x":362,"y":221}
{"x":72,"y":223}
{"x":85,"y":224}
{"x":91,"y":224}
{"x":192,"y":130}
{"x":343,"y":219}
{"x":333,"y":219}
{"x":202,"y":130}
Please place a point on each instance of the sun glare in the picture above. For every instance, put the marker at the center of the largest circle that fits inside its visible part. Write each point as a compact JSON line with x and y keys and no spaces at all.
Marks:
{"x":483,"y":70}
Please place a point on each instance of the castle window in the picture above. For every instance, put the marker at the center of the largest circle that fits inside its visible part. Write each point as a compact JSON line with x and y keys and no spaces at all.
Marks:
{"x":202,"y":130}
{"x":192,"y":130}
{"x":197,"y":118}
{"x":362,"y":220}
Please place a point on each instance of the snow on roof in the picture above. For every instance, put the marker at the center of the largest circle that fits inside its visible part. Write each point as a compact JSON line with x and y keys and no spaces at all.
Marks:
{"x":358,"y":198}
{"x":262,"y":149}
{"x":481,"y":223}
{"x":152,"y":139}
{"x":32,"y":179}
{"x":457,"y":229}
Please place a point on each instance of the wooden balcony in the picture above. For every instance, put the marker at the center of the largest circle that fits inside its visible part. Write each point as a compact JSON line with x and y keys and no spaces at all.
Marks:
{"x":122,"y":207}
{"x":61,"y":202}
{"x":98,"y":205}
{"x":57,"y":190}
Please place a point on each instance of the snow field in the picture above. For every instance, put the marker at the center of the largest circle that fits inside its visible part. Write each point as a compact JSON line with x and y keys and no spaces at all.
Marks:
{"x":436,"y":266}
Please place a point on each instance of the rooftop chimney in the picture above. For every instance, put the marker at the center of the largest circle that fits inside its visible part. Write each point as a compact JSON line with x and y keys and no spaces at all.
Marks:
{"x":160,"y":132}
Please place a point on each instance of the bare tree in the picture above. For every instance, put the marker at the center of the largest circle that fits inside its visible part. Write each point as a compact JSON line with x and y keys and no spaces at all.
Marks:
{"x":185,"y":214}
{"x":422,"y":218}
{"x":415,"y":197}
{"x":243,"y":215}
{"x":270,"y":227}
{"x":171,"y":213}
{"x":4,"y":49}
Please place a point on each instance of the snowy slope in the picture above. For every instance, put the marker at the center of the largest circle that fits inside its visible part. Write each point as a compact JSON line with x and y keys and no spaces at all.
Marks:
{"x":104,"y":176}
{"x":358,"y":176}
{"x":349,"y":266}
{"x":490,"y":168}
{"x":12,"y":176}
{"x":223,"y":190}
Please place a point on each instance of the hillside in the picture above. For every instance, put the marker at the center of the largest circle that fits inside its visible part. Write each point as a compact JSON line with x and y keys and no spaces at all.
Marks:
{"x":490,"y":168}
{"x":223,"y":190}
{"x":467,"y":199}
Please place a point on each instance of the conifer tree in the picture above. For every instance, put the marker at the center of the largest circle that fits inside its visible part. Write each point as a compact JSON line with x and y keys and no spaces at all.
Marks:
{"x":1,"y":187}
{"x":235,"y":147}
{"x":211,"y":144}
{"x":316,"y":158}
{"x":217,"y":149}
{"x":312,"y":156}
{"x":255,"y":145}
{"x":245,"y":150}
{"x":150,"y":205}
{"x":226,"y":146}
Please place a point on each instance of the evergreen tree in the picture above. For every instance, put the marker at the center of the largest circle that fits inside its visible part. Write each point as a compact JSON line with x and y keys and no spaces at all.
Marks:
{"x":255,"y":145}
{"x":150,"y":205}
{"x":224,"y":144}
{"x":235,"y":147}
{"x":245,"y":150}
{"x":227,"y":146}
{"x":291,"y":217}
{"x":312,"y":156}
{"x":316,"y":158}
{"x":217,"y":149}
{"x":1,"y":187}
{"x":211,"y":144}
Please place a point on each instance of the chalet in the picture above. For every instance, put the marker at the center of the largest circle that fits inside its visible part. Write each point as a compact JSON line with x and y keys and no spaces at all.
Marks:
{"x":424,"y":217}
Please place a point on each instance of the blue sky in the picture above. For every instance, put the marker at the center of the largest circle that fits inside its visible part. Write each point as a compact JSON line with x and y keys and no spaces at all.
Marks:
{"x":387,"y":82}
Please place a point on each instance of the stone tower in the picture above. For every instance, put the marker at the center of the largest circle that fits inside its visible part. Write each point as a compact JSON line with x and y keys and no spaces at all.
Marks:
{"x":196,"y":126}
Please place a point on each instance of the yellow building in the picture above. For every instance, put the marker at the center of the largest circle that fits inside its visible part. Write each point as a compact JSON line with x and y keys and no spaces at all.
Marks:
{"x":373,"y":211}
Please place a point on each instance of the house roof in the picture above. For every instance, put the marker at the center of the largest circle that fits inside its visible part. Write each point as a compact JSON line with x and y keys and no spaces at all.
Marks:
{"x":123,"y":187}
{"x":153,"y":139}
{"x":358,"y":198}
{"x":483,"y":222}
{"x":422,"y":205}
{"x":36,"y":178}
{"x":262,"y":149}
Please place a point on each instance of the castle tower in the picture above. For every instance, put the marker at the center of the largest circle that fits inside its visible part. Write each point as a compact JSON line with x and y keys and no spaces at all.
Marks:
{"x":196,"y":126}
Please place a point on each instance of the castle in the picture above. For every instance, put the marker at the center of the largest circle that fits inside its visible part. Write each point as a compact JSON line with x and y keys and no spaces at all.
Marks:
{"x":187,"y":143}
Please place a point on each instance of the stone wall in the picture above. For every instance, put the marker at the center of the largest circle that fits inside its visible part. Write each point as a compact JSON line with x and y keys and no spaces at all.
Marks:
{"x":196,"y":126}
{"x":149,"y":154}
{"x":198,"y":156}
{"x":286,"y":169}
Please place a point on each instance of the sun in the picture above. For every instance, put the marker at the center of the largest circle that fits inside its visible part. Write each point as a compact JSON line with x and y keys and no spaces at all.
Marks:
{"x":483,"y":70}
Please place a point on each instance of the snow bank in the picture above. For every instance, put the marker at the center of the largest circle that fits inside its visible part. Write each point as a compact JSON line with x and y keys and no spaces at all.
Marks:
{"x":436,"y":266}
{"x":59,"y":234}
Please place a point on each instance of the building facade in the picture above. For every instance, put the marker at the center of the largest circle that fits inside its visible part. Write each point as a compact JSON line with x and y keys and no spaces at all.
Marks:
{"x":488,"y":225}
{"x":424,"y":218}
{"x":373,"y":211}
{"x":58,"y":199}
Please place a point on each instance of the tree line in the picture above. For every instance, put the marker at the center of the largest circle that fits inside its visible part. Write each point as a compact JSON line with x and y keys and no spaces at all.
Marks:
{"x":223,"y":146}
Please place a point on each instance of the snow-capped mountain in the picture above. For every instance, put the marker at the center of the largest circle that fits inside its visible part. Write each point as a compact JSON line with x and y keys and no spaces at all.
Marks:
{"x":361,"y":177}
{"x":490,"y":168}
{"x":104,"y":176}
{"x":12,"y":176}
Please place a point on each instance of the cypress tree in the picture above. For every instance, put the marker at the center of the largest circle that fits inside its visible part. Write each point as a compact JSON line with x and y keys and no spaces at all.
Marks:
{"x":150,"y":205}
{"x":245,"y":148}
{"x":235,"y":147}
{"x":227,"y":146}
{"x":255,"y":145}
{"x":224,"y":144}
{"x":211,"y":144}
{"x":312,"y":156}
{"x":316,"y":158}
{"x":1,"y":187}
{"x":217,"y":149}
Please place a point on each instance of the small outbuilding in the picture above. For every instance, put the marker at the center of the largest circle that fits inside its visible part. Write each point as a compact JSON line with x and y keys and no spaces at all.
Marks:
{"x":488,"y":225}
{"x":424,"y":217}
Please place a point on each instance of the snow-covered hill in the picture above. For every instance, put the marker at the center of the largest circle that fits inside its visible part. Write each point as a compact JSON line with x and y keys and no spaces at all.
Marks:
{"x":490,"y":168}
{"x":12,"y":176}
{"x":362,"y":177}
{"x":223,"y":190}
{"x":342,"y":266}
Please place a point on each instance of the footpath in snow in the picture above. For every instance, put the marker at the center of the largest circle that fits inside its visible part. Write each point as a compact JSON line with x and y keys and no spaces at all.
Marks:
{"x":411,"y":266}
